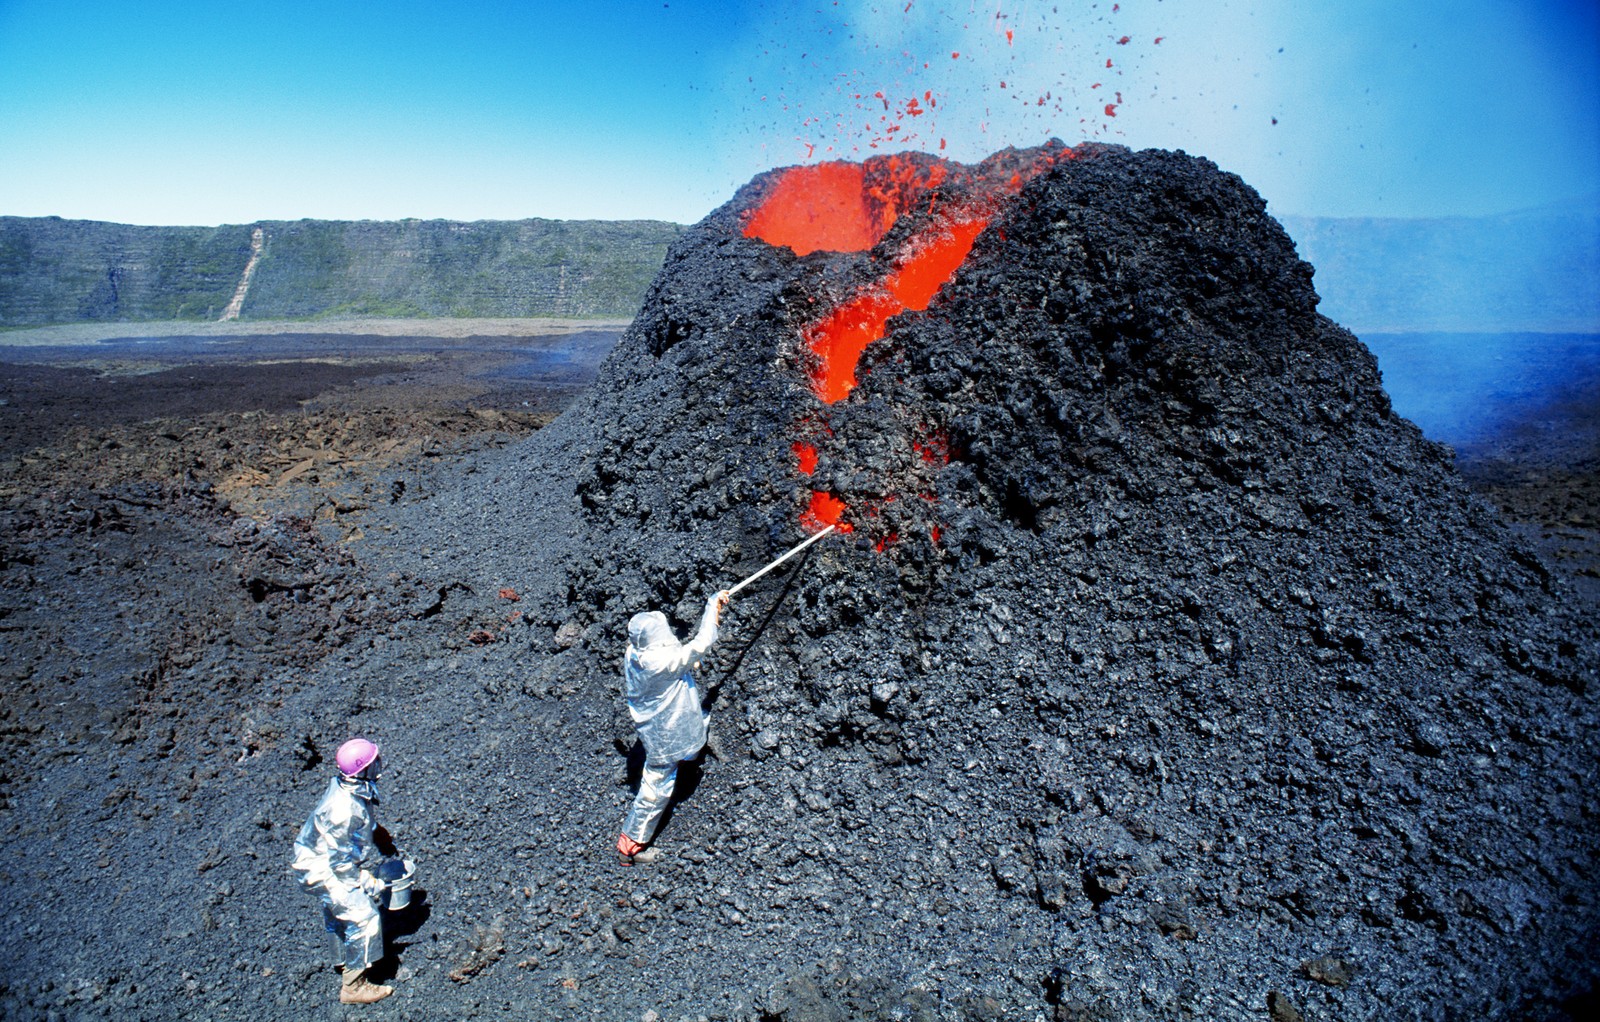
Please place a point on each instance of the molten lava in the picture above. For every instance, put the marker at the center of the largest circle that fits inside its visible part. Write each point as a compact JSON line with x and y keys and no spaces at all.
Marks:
{"x":824,"y":511}
{"x":805,"y":456}
{"x":839,"y":338}
{"x":848,"y":207}
{"x":818,"y":207}
{"x":841,"y":207}
{"x":935,"y":449}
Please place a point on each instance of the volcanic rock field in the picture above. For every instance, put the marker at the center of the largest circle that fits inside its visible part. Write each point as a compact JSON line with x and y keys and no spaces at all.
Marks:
{"x":1164,"y":672}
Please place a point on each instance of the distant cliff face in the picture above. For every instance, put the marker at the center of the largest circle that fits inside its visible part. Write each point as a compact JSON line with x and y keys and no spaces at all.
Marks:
{"x":64,"y":271}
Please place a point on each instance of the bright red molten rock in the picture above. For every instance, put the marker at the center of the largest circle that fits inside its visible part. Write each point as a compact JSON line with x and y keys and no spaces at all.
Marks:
{"x":839,"y":338}
{"x":805,"y":455}
{"x":842,"y":207}
{"x":824,"y":511}
{"x":819,"y":207}
{"x":849,"y":207}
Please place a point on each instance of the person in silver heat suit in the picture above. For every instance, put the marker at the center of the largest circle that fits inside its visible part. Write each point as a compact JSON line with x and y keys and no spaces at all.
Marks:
{"x":667,"y":710}
{"x":336,"y":855}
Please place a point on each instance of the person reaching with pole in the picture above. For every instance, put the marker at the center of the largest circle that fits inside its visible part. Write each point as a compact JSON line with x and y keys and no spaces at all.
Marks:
{"x":667,"y":707}
{"x":668,"y":714}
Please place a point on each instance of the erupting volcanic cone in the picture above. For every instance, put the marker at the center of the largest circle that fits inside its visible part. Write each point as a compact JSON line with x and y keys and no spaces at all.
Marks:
{"x":1156,"y":623}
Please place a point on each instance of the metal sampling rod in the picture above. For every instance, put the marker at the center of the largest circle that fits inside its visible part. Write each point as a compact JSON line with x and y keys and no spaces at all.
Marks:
{"x":780,"y":560}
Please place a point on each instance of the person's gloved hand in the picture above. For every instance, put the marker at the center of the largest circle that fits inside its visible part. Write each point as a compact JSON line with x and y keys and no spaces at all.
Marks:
{"x":371,"y":886}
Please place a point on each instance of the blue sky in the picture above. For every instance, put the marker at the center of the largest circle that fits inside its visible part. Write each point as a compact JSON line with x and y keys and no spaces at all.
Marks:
{"x":170,"y":112}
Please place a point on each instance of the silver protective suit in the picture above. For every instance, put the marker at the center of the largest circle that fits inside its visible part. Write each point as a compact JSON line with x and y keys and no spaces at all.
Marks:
{"x":665,"y":704}
{"x":335,"y":856}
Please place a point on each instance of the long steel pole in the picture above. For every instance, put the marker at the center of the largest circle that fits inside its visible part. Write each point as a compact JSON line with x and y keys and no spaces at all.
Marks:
{"x":780,"y":560}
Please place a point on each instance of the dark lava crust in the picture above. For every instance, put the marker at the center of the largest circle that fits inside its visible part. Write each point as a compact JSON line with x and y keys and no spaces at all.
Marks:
{"x":1216,"y":668}
{"x":1192,"y":684}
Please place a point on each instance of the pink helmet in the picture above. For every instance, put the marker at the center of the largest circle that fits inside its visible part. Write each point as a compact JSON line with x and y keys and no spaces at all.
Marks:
{"x":355,"y":756}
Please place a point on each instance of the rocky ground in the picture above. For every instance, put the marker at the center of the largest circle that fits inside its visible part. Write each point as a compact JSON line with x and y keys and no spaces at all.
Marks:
{"x":178,"y":545}
{"x":1190,"y":725}
{"x":1542,"y":470}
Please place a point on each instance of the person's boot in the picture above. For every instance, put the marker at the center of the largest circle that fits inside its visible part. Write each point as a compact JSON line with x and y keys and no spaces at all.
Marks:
{"x":356,"y":988}
{"x":631,"y":852}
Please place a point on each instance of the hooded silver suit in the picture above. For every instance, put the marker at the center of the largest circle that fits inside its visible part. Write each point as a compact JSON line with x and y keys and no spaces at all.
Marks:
{"x":335,"y":856}
{"x":665,"y":704}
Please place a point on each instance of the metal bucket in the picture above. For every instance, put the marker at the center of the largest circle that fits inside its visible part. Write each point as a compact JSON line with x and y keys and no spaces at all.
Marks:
{"x":397,"y":875}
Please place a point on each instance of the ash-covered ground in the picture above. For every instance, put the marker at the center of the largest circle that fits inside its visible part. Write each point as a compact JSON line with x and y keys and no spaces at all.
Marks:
{"x":1166,"y":673}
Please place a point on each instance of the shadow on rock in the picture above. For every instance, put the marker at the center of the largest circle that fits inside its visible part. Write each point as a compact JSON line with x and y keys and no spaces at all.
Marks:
{"x":396,"y":927}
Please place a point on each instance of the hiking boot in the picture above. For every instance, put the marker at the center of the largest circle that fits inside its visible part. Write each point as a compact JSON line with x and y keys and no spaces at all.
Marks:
{"x":643,"y":857}
{"x":356,"y":988}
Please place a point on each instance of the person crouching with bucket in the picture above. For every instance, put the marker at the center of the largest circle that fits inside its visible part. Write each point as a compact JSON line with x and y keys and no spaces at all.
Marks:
{"x":349,"y":862}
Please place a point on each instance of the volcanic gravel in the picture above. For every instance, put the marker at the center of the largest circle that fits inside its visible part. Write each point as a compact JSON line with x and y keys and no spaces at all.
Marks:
{"x":1166,"y":674}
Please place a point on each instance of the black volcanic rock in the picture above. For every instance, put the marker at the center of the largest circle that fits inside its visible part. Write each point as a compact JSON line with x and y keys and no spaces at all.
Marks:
{"x":1215,"y":667}
{"x":1166,"y":673}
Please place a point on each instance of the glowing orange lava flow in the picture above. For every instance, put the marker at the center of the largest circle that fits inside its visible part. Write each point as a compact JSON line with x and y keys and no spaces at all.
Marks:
{"x":824,"y":511}
{"x":849,"y":207}
{"x":805,"y":456}
{"x":841,"y":207}
{"x":839,"y":338}
{"x":818,"y":207}
{"x":825,"y":508}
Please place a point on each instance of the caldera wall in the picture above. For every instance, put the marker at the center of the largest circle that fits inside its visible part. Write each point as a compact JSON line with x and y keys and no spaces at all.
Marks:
{"x":67,"y":271}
